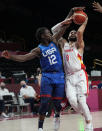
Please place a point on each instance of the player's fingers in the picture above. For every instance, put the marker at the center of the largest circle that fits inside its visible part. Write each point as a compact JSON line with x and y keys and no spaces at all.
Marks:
{"x":70,"y":18}
{"x":78,"y":8}
{"x":95,"y":7}
{"x":81,"y":8}
{"x":94,"y":3}
{"x":96,"y":10}
{"x":86,"y":18}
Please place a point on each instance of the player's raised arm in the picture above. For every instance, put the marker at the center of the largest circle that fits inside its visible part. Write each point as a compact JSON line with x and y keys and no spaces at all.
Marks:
{"x":80,"y":42}
{"x":97,"y":7}
{"x":57,"y":27}
{"x":22,"y":58}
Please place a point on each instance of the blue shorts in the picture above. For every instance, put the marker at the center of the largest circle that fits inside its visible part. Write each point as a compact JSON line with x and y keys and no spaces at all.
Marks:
{"x":52,"y":85}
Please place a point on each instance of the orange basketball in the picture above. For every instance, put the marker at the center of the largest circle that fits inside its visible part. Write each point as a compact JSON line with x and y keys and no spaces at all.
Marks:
{"x":79,"y":17}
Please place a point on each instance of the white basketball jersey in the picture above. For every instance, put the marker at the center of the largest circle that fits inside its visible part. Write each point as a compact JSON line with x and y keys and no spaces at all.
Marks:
{"x":72,"y":59}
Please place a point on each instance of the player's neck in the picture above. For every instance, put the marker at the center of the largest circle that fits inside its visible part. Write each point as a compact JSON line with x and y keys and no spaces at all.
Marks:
{"x":45,"y":43}
{"x":72,"y":44}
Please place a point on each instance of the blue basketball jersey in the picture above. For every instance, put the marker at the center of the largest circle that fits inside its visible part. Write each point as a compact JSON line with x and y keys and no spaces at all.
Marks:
{"x":50,"y":60}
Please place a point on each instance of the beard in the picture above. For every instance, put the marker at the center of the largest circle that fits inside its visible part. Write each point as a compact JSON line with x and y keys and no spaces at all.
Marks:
{"x":72,"y":39}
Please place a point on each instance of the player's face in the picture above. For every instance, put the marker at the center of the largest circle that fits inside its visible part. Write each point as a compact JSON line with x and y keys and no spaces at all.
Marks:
{"x":47,"y":35}
{"x":72,"y":36}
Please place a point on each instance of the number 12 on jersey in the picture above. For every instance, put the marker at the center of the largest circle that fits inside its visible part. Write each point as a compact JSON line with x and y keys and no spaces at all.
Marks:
{"x":52,"y":59}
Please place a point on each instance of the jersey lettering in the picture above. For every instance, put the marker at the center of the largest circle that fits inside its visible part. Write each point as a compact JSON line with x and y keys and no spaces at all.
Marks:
{"x":49,"y":52}
{"x":52,"y":59}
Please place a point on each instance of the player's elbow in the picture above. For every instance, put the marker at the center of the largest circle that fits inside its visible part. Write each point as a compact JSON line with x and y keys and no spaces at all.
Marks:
{"x":79,"y":33}
{"x":56,"y":28}
{"x":82,"y":46}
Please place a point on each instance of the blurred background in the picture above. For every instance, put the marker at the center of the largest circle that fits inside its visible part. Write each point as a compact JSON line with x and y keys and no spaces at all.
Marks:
{"x":19,"y":20}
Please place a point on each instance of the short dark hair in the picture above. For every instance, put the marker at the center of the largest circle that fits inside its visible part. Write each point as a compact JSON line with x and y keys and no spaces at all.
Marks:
{"x":39,"y":32}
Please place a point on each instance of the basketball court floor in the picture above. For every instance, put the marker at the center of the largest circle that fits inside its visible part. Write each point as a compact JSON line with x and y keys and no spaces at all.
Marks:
{"x":69,"y":122}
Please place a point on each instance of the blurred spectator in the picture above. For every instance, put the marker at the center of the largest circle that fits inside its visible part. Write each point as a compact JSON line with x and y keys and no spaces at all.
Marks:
{"x":32,"y":76}
{"x":2,"y":109}
{"x":29,"y":95}
{"x":100,"y":85}
{"x":1,"y":76}
{"x":3,"y":91}
{"x":89,"y":82}
{"x":94,"y":84}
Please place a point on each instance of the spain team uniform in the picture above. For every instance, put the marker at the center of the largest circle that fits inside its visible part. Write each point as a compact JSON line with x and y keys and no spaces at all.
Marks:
{"x":52,"y":81}
{"x":76,"y":76}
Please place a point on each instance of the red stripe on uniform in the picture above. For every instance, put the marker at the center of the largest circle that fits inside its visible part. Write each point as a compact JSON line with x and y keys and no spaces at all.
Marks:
{"x":57,"y":98}
{"x":83,"y":66}
{"x":45,"y":95}
{"x":79,"y":56}
{"x":69,"y":50}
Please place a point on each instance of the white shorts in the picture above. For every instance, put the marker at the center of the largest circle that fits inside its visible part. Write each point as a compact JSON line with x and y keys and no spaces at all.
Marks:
{"x":77,"y":83}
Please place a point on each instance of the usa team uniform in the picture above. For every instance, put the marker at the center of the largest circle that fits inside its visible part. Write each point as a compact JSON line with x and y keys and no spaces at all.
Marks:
{"x":52,"y":81}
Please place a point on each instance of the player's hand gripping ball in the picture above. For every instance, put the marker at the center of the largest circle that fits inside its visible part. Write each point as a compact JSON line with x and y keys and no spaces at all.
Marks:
{"x":79,"y":17}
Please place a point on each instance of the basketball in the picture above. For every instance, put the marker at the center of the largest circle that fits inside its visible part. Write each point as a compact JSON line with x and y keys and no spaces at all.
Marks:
{"x":79,"y":17}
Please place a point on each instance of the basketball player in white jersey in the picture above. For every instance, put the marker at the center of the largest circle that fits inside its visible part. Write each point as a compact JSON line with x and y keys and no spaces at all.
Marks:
{"x":76,"y":76}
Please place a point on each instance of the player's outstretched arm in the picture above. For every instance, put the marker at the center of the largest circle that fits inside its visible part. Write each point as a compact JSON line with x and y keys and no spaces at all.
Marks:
{"x":82,"y":27}
{"x":62,"y":29}
{"x":80,"y":32}
{"x":58,"y":26}
{"x":97,"y":7}
{"x":22,"y":58}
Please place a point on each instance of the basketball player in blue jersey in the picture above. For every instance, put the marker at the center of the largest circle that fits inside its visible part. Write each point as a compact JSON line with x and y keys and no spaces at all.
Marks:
{"x":52,"y":81}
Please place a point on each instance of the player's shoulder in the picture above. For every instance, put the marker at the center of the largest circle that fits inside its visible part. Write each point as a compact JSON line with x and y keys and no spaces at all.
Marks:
{"x":66,"y":44}
{"x":29,"y":86}
{"x":62,"y":41}
{"x":6,"y":89}
{"x":22,"y":89}
{"x":36,"y":50}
